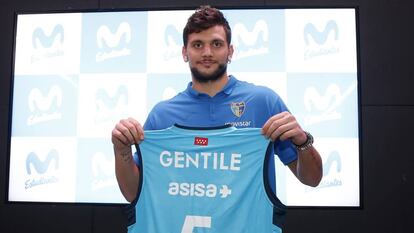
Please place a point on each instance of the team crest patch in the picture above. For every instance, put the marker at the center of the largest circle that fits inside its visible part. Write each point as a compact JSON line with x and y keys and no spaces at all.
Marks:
{"x":238,"y":108}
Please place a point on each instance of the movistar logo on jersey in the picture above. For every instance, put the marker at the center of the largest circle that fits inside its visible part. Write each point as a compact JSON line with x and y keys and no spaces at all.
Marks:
{"x":238,"y":108}
{"x":47,"y":45}
{"x":44,"y":173}
{"x":320,"y":43}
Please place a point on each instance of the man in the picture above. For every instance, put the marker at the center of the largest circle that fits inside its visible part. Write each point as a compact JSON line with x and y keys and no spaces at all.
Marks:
{"x":213,"y":98}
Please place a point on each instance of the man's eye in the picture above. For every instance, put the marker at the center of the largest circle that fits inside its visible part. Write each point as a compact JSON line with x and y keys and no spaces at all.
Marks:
{"x":197,"y":45}
{"x":217,"y":44}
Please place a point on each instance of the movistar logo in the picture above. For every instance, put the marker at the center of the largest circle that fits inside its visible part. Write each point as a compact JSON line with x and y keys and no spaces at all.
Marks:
{"x":331,"y":177}
{"x":113,"y":44}
{"x":317,"y":41}
{"x":44,"y":173}
{"x":320,"y":37}
{"x":101,"y":166}
{"x":44,"y":107}
{"x":172,"y":38}
{"x":41,"y":40}
{"x":104,"y":100}
{"x":105,"y":38}
{"x":251,"y":42}
{"x":108,"y":106}
{"x":334,"y":159}
{"x":324,"y":107}
{"x":332,"y":168}
{"x":33,"y":161}
{"x":47,"y":45}
{"x":103,"y":171}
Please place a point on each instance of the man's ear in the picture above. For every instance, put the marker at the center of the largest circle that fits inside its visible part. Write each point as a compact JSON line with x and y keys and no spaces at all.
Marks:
{"x":231,"y":50}
{"x":184,"y":53}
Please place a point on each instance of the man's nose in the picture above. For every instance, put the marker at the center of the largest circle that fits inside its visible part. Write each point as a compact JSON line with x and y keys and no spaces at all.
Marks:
{"x":207,"y":51}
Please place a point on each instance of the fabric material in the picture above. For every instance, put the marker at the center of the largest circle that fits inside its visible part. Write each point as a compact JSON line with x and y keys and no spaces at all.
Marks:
{"x":205,"y":180}
{"x":241,"y":104}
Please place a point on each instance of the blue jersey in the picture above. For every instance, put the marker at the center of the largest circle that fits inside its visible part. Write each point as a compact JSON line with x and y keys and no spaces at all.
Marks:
{"x":205,"y":180}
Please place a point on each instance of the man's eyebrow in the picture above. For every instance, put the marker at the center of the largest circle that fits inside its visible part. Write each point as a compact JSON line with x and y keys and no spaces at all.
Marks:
{"x":218,"y":40}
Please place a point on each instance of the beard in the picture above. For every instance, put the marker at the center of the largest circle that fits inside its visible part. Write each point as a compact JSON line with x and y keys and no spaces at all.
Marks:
{"x":204,"y":78}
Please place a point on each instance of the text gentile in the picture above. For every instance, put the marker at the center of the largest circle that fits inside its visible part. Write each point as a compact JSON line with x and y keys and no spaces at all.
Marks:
{"x":203,"y":160}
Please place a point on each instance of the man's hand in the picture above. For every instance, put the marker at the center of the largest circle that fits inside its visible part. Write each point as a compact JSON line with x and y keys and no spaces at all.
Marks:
{"x":308,"y":167}
{"x":284,"y":126}
{"x":126,"y":133}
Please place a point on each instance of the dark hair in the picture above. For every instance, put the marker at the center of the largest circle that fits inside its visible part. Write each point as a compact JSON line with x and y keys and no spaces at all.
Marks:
{"x":204,"y":18}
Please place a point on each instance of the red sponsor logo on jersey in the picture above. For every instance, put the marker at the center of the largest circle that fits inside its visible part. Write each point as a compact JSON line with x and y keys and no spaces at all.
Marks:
{"x":200,"y":141}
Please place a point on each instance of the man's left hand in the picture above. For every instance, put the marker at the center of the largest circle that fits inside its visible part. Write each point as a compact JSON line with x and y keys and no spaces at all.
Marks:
{"x":284,"y":126}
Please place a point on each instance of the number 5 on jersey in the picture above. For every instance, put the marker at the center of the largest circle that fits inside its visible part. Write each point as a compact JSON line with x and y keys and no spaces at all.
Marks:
{"x":192,"y":221}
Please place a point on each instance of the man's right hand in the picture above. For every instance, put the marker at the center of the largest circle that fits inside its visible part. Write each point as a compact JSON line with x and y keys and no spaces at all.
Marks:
{"x":126,"y":133}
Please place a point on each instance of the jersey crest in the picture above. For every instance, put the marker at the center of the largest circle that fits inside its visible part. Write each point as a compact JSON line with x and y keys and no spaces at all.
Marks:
{"x":238,"y":108}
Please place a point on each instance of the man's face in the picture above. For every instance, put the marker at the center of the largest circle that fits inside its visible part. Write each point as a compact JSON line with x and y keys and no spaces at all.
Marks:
{"x":207,"y":53}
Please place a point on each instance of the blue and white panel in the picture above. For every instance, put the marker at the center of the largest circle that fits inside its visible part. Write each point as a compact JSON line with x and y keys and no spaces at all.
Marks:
{"x":325,"y":104}
{"x":114,"y":42}
{"x":340,"y":181}
{"x":45,"y":105}
{"x":321,"y":40}
{"x":46,"y":46}
{"x":165,"y":42}
{"x":95,"y":175}
{"x":78,"y":74}
{"x":168,"y":86}
{"x":277,"y":81}
{"x":104,"y":99}
{"x":256,"y":37}
{"x":43,"y":169}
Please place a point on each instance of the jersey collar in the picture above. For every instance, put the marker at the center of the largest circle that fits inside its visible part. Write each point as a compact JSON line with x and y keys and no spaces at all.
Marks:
{"x":197,"y":130}
{"x":228,"y":88}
